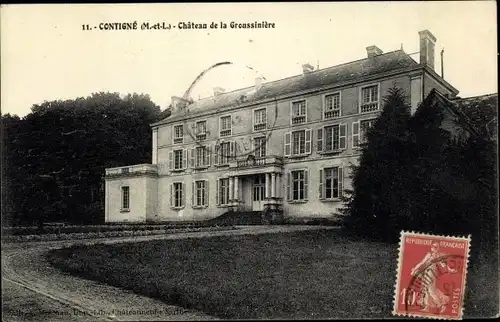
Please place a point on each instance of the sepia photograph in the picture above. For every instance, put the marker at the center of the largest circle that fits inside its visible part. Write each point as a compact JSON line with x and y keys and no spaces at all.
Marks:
{"x":249,"y":161}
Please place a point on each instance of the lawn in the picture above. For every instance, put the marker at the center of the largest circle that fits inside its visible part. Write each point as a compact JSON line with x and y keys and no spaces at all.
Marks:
{"x":301,"y":275}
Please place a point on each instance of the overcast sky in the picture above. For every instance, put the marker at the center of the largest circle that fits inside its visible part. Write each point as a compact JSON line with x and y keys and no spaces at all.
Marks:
{"x":45,"y":54}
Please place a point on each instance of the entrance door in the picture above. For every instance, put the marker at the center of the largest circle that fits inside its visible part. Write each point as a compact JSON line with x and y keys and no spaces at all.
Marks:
{"x":258,"y":192}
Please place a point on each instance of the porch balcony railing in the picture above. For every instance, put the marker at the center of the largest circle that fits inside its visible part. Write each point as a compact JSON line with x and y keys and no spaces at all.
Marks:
{"x":132,"y":169}
{"x":258,"y":162}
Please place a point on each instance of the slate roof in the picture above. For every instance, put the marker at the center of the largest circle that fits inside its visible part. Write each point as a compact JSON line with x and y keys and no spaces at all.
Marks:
{"x":481,"y":111}
{"x":351,"y":71}
{"x":478,"y":114}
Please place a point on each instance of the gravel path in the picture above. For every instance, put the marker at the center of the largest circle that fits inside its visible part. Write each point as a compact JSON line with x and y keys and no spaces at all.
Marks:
{"x":30,"y":276}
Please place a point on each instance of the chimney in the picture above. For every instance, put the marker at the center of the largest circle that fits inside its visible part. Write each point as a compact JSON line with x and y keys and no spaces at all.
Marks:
{"x":179,"y":103}
{"x":258,"y":83}
{"x":218,"y":91}
{"x":373,"y":51}
{"x":307,"y":68}
{"x":427,"y":43}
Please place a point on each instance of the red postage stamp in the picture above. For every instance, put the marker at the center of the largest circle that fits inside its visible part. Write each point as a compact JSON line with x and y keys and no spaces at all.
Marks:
{"x":431,"y":276}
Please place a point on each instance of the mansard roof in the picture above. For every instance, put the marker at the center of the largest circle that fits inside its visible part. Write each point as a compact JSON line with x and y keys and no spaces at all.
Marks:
{"x":353,"y":71}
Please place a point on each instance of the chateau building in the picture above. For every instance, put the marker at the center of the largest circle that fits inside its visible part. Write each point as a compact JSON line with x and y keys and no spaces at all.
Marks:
{"x":284,"y":145}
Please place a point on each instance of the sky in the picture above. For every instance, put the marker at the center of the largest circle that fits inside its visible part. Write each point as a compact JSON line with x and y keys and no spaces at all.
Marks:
{"x":46,"y":55}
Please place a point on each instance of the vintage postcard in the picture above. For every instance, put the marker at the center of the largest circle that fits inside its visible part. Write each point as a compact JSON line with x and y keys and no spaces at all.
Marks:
{"x":203,"y":161}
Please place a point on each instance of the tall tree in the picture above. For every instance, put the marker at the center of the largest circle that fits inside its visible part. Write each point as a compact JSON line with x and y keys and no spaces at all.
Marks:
{"x":57,"y":154}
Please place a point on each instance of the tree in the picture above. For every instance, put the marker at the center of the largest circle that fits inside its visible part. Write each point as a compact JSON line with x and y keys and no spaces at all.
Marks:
{"x":69,"y":144}
{"x":378,"y":193}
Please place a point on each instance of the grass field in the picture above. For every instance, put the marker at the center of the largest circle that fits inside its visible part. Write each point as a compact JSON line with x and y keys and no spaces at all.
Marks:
{"x":301,"y":275}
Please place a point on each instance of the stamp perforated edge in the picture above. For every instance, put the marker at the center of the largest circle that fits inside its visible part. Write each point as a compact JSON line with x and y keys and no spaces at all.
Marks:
{"x":398,"y":269}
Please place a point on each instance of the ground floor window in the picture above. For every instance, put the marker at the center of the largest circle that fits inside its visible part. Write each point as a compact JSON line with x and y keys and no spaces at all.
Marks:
{"x":177,"y":195}
{"x":297,"y":185}
{"x":223,"y":191}
{"x":330,"y":183}
{"x":200,"y":193}
{"x":125,"y":198}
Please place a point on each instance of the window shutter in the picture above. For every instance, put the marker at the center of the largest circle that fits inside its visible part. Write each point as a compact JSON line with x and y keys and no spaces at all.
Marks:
{"x":217,"y":183}
{"x":320,"y":139}
{"x":232,"y":151}
{"x":355,"y":134}
{"x":206,"y":193}
{"x":170,"y":160}
{"x":209,"y":155}
{"x":183,"y":194}
{"x":172,"y":195}
{"x":306,"y":184}
{"x":216,"y":154}
{"x":193,"y":157}
{"x":193,"y":194}
{"x":342,"y":136}
{"x":288,"y":143}
{"x":308,"y":141}
{"x":341,"y":180}
{"x":288,"y":187}
{"x":321,"y":185}
{"x":184,"y":158}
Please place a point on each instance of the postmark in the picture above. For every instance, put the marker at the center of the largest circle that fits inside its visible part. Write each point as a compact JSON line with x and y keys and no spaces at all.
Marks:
{"x":247,"y":146}
{"x":431,"y":275}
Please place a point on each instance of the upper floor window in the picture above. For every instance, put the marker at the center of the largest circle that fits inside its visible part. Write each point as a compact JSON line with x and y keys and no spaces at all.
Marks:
{"x":297,"y":185}
{"x":298,"y":143}
{"x":125,"y":198}
{"x":369,"y":98}
{"x":260,"y":147}
{"x":259,"y":119}
{"x":201,"y":130}
{"x":330,"y":183}
{"x":332,"y":106}
{"x":225,"y":126}
{"x":177,"y":195}
{"x":224,"y":152}
{"x":332,"y":138}
{"x":200,"y":193}
{"x":360,"y":131}
{"x":178,"y":159}
{"x":179,"y":133}
{"x":222,"y":192}
{"x":299,"y":112}
{"x":200,"y":157}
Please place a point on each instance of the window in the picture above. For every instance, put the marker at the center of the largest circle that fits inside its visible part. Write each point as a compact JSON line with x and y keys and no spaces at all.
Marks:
{"x":330,"y":183}
{"x":201,"y":130}
{"x":297,"y":185}
{"x":224,"y":152}
{"x":369,"y":98}
{"x":259,"y":119}
{"x":178,"y":160}
{"x":177,"y":195}
{"x":364,"y":126}
{"x":223,"y":192}
{"x":125,"y":198}
{"x":178,"y":134}
{"x":298,"y":143}
{"x":200,"y":193}
{"x":332,"y":106}
{"x":260,"y":147}
{"x":200,"y":157}
{"x":332,"y":138}
{"x":299,"y":112}
{"x":360,"y":130}
{"x":225,"y":126}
